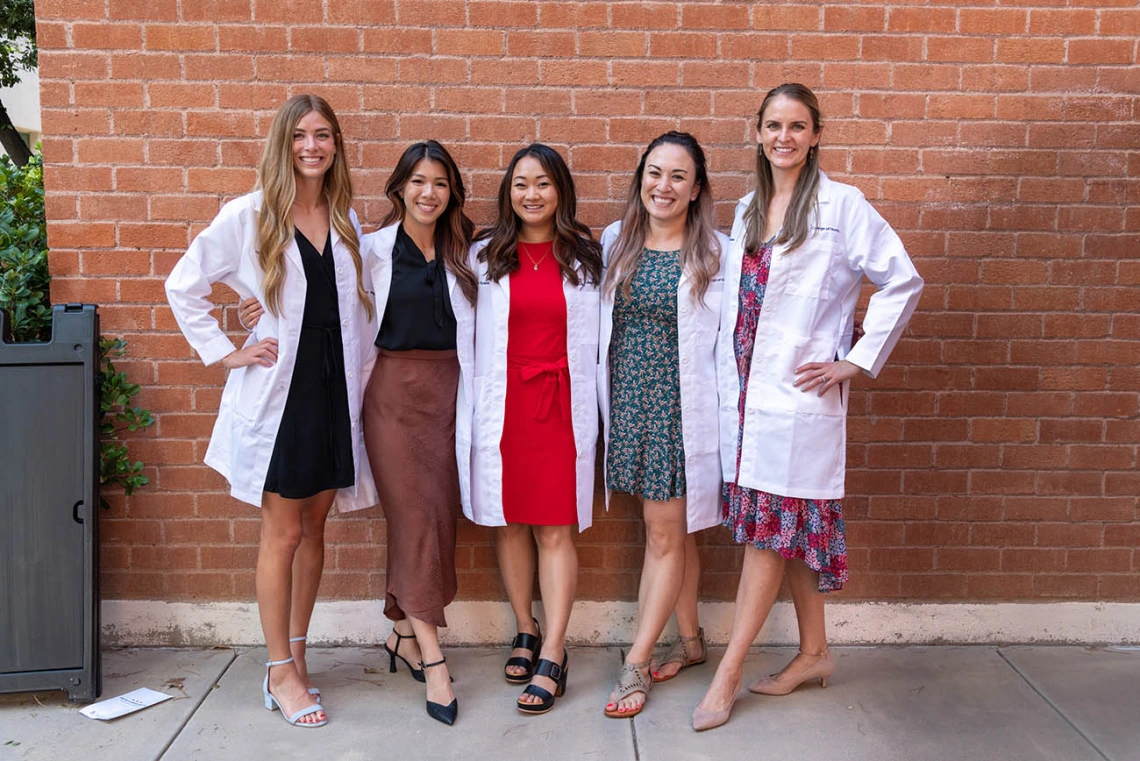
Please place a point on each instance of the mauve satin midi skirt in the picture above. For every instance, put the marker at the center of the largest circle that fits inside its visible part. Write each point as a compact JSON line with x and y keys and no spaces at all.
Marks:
{"x":409,"y":430}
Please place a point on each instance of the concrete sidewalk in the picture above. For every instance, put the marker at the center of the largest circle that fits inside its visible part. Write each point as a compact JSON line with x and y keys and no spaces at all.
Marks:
{"x":884,"y":703}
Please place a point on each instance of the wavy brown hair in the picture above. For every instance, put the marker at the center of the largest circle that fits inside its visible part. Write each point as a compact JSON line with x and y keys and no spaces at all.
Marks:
{"x":278,"y":186}
{"x":798,"y":215}
{"x":700,"y":251}
{"x":453,"y":229}
{"x":574,"y":244}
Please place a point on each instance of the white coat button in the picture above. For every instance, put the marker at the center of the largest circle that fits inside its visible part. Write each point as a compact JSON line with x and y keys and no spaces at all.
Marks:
{"x":684,"y":310}
{"x":340,"y":270}
{"x":344,"y":322}
{"x":349,"y":373}
{"x":684,"y":360}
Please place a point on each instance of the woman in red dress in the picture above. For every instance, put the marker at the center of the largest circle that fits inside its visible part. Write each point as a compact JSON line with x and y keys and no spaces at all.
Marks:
{"x":535,"y":423}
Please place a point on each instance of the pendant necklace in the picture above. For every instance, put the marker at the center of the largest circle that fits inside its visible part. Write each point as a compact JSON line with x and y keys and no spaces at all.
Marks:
{"x":528,"y":256}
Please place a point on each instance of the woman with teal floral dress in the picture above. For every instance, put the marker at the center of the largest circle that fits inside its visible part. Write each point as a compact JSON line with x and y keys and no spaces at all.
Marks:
{"x":660,"y":316}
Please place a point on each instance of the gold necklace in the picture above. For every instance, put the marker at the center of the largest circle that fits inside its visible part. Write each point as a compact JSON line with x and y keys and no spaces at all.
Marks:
{"x":528,"y":256}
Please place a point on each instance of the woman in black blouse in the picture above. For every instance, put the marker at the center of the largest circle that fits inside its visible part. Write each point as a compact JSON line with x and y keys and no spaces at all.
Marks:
{"x":425,"y":292}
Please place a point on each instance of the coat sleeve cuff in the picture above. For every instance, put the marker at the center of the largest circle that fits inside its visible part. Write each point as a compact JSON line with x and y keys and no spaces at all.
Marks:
{"x":865,"y":360}
{"x":216,"y":350}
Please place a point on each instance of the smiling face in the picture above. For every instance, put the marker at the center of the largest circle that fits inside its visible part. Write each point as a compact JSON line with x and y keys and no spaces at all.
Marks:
{"x":669,"y":182}
{"x":314,"y":146}
{"x":786,"y":134}
{"x":426,"y":193}
{"x":533,"y":196}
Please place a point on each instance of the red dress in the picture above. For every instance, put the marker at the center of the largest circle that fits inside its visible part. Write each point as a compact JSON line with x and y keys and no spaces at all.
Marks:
{"x":539,"y":483}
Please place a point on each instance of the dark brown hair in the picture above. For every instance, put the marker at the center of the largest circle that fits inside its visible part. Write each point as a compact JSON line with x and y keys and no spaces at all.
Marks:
{"x":453,"y":229}
{"x":574,"y":244}
{"x":796,"y":218}
{"x":700,"y":251}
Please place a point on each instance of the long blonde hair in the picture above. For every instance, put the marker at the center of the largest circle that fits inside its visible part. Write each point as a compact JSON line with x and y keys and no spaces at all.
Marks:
{"x":797,"y":217}
{"x":700,"y":250}
{"x":278,"y":184}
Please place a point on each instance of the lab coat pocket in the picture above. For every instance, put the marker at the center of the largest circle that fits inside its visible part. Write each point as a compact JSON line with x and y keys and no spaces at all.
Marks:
{"x":253,"y":384}
{"x":810,"y":402}
{"x":810,"y":266}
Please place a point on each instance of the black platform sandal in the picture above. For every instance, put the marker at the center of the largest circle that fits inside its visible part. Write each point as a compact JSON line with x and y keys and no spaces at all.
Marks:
{"x":555,"y":672}
{"x":445,"y":713}
{"x":524,"y":641}
{"x":394,"y":653}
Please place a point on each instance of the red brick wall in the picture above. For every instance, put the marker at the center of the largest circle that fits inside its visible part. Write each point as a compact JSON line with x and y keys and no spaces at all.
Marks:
{"x":994,"y":458}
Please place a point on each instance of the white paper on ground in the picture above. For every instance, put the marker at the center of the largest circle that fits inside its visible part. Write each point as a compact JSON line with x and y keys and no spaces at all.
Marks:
{"x":113,"y":708}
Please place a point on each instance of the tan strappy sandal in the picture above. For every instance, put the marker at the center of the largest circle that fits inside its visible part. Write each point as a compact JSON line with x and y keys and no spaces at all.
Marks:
{"x":630,"y":681}
{"x":680,"y":653}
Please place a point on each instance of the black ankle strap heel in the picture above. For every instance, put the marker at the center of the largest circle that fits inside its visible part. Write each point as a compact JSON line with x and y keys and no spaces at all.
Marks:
{"x":394,"y":653}
{"x":444,"y":713}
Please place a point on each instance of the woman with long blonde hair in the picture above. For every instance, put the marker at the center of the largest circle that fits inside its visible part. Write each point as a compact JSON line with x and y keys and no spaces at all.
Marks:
{"x":288,"y":435}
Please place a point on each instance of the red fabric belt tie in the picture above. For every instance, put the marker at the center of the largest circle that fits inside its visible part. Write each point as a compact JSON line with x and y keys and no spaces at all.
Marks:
{"x":555,"y":381}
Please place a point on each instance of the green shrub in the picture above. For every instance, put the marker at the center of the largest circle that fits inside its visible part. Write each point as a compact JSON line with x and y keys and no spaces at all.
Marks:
{"x":24,"y":277}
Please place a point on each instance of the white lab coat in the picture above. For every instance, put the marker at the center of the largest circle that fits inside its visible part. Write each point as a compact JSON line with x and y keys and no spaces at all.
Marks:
{"x":795,"y":442}
{"x":697,"y":326}
{"x":490,"y":393}
{"x":254,"y":397}
{"x":377,"y":249}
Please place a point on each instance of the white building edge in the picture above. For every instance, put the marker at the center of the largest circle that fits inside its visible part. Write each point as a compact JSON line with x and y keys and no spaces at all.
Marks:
{"x":23,"y":104}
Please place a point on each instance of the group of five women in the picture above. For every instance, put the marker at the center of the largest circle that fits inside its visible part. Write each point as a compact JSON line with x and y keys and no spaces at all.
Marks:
{"x":435,"y":370}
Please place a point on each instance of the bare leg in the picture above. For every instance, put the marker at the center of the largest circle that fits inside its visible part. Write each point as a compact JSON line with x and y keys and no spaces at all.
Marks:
{"x":662,"y":576}
{"x":808,"y":601}
{"x":514,"y":547}
{"x":558,"y":580}
{"x":438,"y":679}
{"x":308,"y":565}
{"x":281,"y":532}
{"x":759,"y":584}
{"x":688,"y":621}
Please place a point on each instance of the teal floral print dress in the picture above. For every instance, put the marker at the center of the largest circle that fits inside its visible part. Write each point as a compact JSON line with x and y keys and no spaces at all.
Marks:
{"x":646,"y":454}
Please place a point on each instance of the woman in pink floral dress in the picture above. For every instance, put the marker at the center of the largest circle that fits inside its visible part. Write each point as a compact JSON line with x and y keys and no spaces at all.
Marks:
{"x":801,"y":246}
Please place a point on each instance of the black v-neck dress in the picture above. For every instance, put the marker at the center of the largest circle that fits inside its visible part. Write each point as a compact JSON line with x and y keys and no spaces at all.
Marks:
{"x":313,"y":449}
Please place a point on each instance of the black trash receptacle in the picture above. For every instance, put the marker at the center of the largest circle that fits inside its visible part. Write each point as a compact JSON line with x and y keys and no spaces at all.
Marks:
{"x":49,"y":501}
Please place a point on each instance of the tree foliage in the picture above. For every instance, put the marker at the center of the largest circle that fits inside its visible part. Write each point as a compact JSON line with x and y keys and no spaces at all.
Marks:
{"x":17,"y":54}
{"x":17,"y":39}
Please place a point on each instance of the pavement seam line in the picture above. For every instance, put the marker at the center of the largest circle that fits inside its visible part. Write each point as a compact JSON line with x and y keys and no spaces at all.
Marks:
{"x":178,"y":732}
{"x":632,"y":719}
{"x":1052,"y":705}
